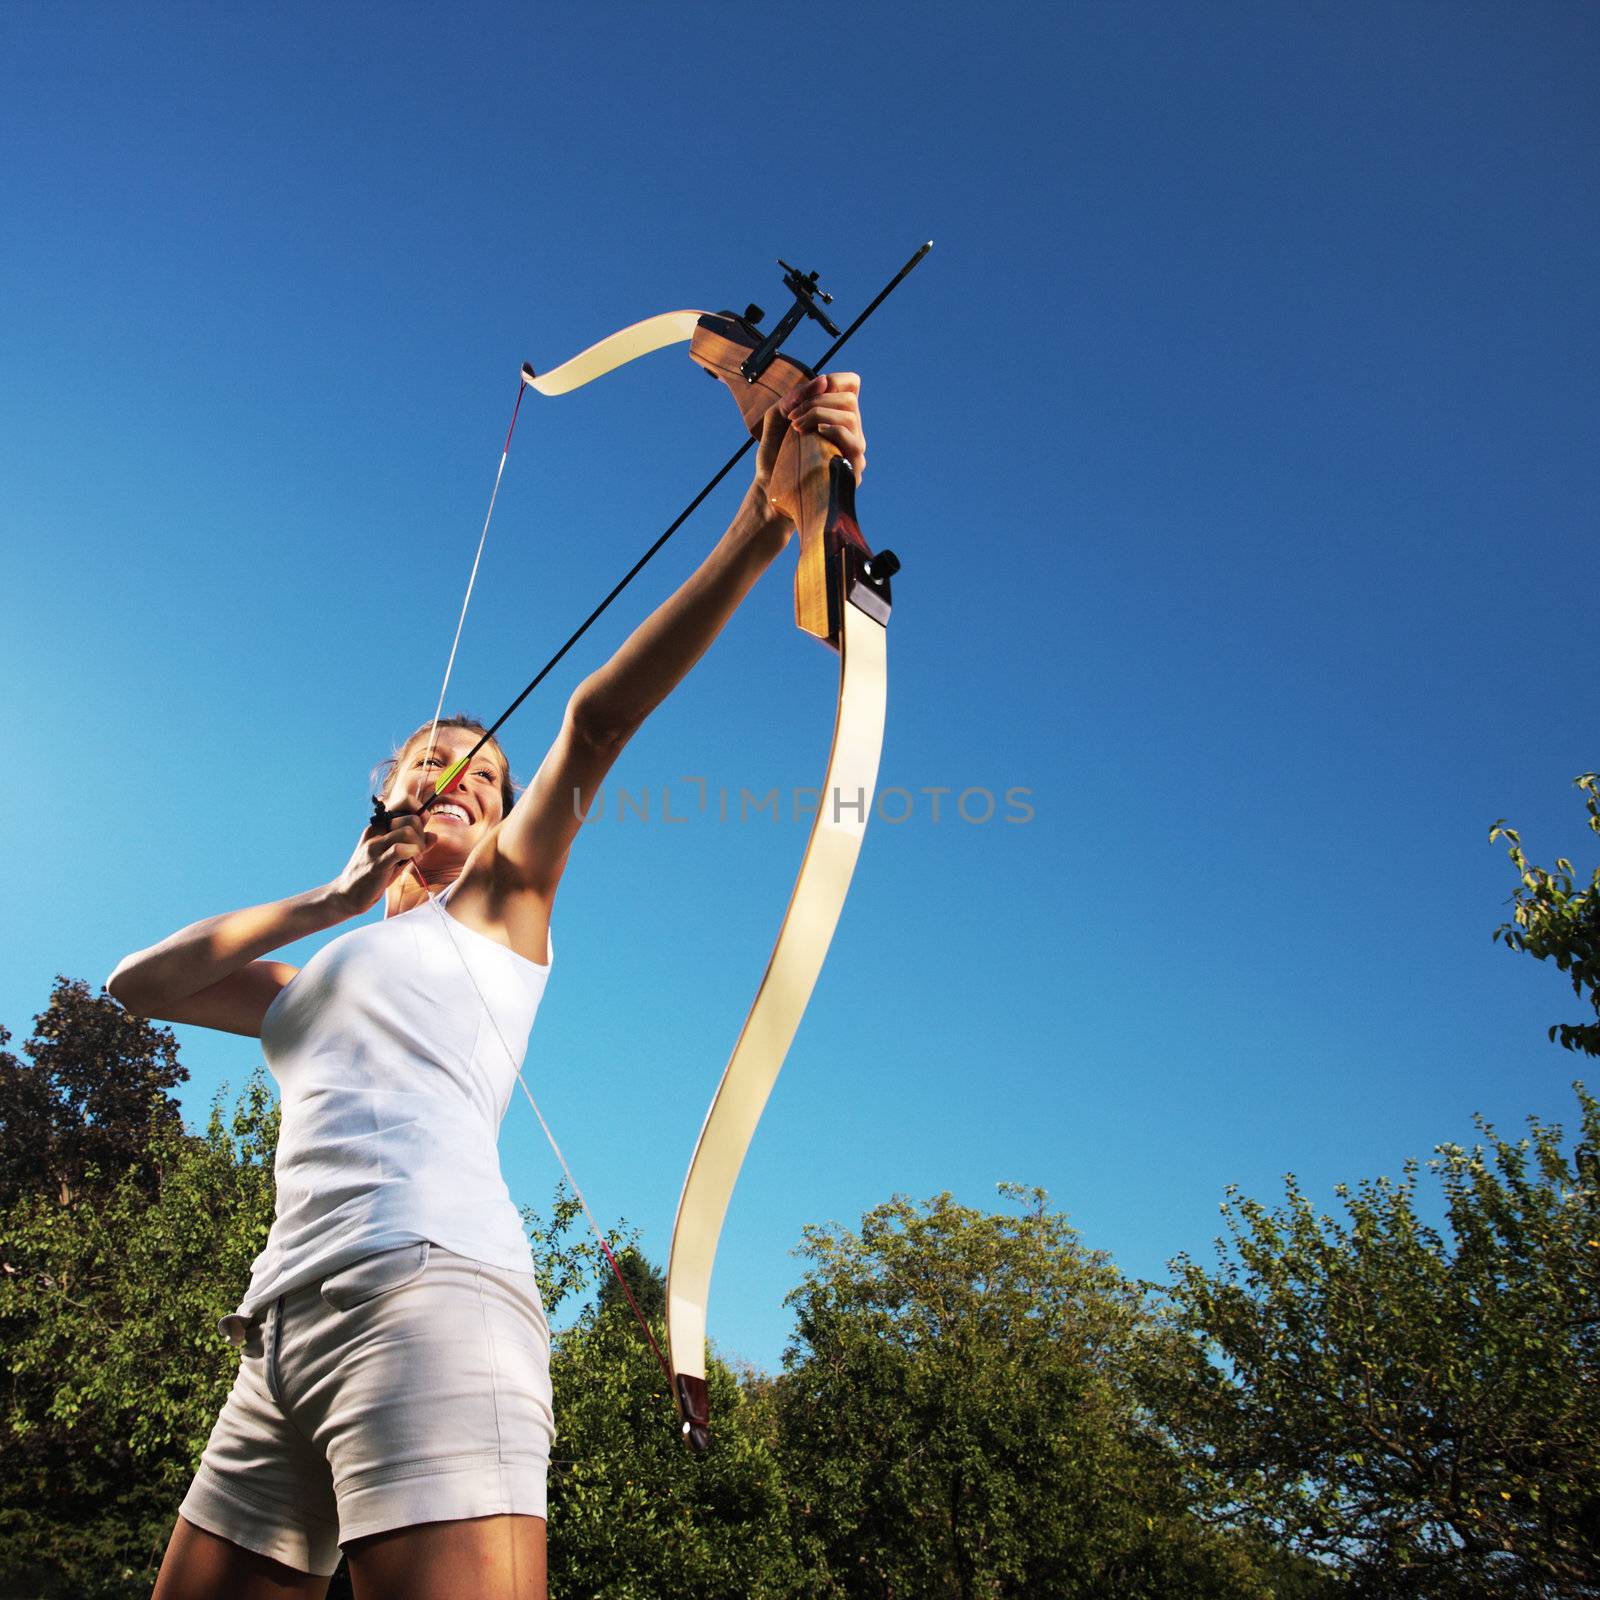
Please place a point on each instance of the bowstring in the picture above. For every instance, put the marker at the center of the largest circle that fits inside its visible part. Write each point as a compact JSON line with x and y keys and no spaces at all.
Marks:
{"x":434,"y":900}
{"x":472,"y":577}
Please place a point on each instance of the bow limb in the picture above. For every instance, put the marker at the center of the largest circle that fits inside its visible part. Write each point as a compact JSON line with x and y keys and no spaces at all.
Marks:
{"x":615,"y":350}
{"x":843,"y":601}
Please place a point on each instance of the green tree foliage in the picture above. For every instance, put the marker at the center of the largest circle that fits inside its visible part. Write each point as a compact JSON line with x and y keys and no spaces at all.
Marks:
{"x":633,"y":1514}
{"x":1424,"y":1414}
{"x":1555,"y":922}
{"x":956,"y":1419}
{"x":94,"y":1079}
{"x":111,"y":1282}
{"x":645,"y":1284}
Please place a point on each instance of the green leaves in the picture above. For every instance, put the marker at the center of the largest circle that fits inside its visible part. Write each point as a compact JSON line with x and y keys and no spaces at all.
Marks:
{"x":1554,"y":921}
{"x":1401,"y":1402}
{"x":635,"y":1515}
{"x":112,"y":1277}
{"x":959,"y":1416}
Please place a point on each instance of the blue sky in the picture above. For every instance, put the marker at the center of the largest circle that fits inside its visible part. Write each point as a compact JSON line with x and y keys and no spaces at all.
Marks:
{"x":1237,"y":439}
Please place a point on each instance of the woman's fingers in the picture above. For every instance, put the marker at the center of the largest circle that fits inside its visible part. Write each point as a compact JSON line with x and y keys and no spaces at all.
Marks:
{"x":404,"y":841}
{"x":378,"y":859}
{"x":823,"y":383}
{"x":830,"y":405}
{"x":406,"y":834}
{"x":831,"y":391}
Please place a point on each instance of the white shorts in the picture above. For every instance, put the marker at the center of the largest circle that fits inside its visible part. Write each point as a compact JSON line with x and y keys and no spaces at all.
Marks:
{"x":411,"y":1387}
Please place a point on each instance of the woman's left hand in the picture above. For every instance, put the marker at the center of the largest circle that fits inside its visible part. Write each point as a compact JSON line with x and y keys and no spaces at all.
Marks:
{"x":829,"y":405}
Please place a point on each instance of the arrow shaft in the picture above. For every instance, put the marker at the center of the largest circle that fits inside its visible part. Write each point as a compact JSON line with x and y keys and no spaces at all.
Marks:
{"x":676,"y":523}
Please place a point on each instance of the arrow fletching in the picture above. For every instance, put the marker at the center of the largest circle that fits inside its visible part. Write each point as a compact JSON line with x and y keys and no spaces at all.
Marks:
{"x":449,"y":778}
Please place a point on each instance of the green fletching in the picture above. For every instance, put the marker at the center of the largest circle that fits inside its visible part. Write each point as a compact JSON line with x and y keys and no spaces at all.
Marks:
{"x":447,"y":778}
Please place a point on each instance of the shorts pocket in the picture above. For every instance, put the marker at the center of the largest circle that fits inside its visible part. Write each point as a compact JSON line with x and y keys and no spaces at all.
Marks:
{"x":374,"y":1275}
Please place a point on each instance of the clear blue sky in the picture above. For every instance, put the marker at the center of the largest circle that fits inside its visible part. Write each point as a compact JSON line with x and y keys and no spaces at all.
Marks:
{"x":1237,"y":438}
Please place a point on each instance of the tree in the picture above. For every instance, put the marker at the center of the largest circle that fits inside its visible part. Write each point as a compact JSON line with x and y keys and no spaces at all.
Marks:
{"x":633,"y":1514}
{"x":1552,"y":922}
{"x":1424,"y":1414}
{"x":956,"y":1419}
{"x":115,"y":1368}
{"x":94,"y":1079}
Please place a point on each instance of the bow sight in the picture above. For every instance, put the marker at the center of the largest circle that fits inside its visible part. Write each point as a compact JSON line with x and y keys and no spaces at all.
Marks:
{"x":803,"y":286}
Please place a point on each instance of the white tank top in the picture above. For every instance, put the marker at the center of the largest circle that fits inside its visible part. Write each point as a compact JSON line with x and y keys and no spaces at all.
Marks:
{"x":393,"y":1080}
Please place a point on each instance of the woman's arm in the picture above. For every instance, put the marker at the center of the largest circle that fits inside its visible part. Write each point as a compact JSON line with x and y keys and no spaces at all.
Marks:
{"x":531,"y":846}
{"x":606,"y":709}
{"x":209,"y":973}
{"x":611,"y":704}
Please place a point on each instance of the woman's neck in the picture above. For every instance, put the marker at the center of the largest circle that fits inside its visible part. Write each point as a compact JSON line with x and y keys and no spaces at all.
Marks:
{"x":411,"y":890}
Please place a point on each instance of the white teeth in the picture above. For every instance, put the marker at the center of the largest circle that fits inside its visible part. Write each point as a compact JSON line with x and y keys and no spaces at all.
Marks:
{"x":451,"y":811}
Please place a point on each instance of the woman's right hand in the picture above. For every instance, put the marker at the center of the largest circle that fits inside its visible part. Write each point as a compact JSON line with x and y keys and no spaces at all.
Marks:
{"x":378,"y":859}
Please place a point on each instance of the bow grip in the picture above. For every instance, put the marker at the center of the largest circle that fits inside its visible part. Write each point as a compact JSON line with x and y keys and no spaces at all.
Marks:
{"x":812,"y":484}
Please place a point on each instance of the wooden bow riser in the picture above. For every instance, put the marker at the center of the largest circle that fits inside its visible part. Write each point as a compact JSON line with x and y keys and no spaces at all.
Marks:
{"x":812,"y":484}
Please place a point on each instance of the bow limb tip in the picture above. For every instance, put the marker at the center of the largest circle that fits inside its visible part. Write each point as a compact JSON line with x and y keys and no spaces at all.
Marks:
{"x":694,"y":1408}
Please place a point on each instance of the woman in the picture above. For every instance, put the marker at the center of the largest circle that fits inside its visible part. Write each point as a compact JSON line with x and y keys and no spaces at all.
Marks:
{"x":393,"y":1395}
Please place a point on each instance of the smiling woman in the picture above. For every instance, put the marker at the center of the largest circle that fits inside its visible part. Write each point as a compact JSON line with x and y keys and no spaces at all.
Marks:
{"x":393,"y":1395}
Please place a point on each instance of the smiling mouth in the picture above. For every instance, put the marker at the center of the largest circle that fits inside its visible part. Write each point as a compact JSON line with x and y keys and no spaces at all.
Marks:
{"x":447,"y":810}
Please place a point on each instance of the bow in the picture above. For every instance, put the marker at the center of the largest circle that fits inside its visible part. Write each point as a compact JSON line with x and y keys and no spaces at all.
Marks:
{"x":842,"y":597}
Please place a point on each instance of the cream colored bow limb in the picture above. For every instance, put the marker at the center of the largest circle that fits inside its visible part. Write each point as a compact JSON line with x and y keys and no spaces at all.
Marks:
{"x":615,"y":350}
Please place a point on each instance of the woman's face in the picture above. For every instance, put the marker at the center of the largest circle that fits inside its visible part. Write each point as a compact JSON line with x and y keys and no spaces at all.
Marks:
{"x":471,"y":808}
